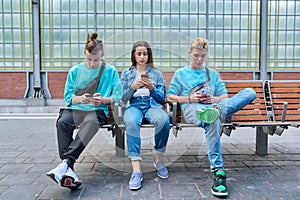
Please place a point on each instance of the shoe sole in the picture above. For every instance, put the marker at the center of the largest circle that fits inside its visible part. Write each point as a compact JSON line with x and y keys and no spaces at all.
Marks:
{"x":219,"y":194}
{"x":163,"y":177}
{"x":69,"y":182}
{"x":138,"y":187}
{"x":52,"y":177}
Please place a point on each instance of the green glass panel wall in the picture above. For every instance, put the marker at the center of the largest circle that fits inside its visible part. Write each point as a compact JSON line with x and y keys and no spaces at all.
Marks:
{"x":232,"y":28}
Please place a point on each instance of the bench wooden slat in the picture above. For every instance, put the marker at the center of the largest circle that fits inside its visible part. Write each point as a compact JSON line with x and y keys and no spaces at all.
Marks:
{"x":280,"y":84}
{"x":255,"y":106}
{"x":285,"y":96}
{"x":236,"y":118}
{"x":250,"y":112}
{"x":285,"y":91}
{"x":241,"y":84}
{"x":290,"y":101}
{"x":235,"y":90}
{"x":288,"y":118}
{"x":247,"y":124}
{"x":290,"y":106}
{"x":289,"y":112}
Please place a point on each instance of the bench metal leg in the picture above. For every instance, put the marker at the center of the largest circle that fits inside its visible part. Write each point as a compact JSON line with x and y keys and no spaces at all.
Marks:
{"x":261,"y":142}
{"x":120,"y":141}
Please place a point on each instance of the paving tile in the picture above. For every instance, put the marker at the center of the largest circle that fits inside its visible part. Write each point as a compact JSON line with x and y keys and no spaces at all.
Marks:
{"x":101,"y":191}
{"x":10,"y":153}
{"x":11,"y":160}
{"x":2,"y":189}
{"x":187,"y":191}
{"x":22,"y":192}
{"x":18,"y":179}
{"x":54,"y":191}
{"x":150,"y":190}
{"x":15,"y":168}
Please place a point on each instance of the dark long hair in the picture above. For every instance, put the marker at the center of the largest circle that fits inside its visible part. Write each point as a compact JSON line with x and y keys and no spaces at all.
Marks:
{"x":143,"y":44}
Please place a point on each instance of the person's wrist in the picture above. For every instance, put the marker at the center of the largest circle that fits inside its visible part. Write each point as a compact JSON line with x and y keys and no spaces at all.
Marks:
{"x":189,"y":98}
{"x":132,"y":87}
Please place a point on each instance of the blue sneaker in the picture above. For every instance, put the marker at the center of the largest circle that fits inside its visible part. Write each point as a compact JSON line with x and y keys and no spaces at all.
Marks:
{"x":161,"y":169}
{"x":135,"y":182}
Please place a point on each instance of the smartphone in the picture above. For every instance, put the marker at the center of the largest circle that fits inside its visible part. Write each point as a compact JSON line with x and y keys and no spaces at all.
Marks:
{"x":145,"y":75}
{"x":89,"y":95}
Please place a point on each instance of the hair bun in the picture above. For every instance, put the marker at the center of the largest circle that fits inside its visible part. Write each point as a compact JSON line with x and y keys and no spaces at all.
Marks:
{"x":93,"y":45}
{"x":94,"y":35}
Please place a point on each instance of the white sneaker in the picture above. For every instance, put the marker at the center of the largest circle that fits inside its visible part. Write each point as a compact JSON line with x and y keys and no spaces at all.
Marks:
{"x":57,"y":173}
{"x":70,"y":180}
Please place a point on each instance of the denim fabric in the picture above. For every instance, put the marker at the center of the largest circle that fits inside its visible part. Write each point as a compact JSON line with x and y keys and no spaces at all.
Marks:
{"x":134,"y":116}
{"x":227,"y":107}
{"x":156,"y":95}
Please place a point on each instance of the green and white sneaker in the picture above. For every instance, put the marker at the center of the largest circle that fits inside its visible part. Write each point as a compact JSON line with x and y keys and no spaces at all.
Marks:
{"x":219,"y":188}
{"x":207,"y":115}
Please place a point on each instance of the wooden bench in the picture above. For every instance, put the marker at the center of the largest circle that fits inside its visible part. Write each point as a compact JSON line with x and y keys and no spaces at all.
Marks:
{"x":268,"y":113}
{"x":285,"y":94}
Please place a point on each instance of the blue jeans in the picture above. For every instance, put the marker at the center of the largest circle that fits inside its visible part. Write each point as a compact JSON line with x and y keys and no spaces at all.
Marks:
{"x":227,"y":107}
{"x":138,"y":112}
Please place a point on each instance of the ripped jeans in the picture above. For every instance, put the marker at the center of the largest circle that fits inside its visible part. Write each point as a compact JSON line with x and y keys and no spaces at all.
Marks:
{"x":227,"y":107}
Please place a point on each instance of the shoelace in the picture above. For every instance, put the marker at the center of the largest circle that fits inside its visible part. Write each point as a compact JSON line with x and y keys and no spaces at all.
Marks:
{"x":160,"y":166}
{"x":220,"y":180}
{"x":135,"y":178}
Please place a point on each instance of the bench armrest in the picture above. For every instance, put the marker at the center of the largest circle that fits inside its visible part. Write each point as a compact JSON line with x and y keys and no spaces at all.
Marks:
{"x":285,"y":106}
{"x":172,"y":113}
{"x":117,"y":113}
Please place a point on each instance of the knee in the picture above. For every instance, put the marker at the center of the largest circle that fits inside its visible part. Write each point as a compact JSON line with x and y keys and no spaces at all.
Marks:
{"x":131,"y":122}
{"x":128,"y":120}
{"x":251,"y":93}
{"x":92,"y":122}
{"x":92,"y":125}
{"x":163,"y":120}
{"x":61,"y":123}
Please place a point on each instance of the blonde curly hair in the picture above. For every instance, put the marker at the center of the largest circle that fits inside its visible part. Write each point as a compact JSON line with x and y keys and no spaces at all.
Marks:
{"x":199,"y":43}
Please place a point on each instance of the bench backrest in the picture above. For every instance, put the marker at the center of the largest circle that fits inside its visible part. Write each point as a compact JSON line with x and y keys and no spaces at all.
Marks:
{"x":286,"y":91}
{"x":256,"y":110}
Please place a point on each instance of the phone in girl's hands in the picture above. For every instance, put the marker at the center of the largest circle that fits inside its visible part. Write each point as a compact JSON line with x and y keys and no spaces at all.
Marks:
{"x":145,"y":75}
